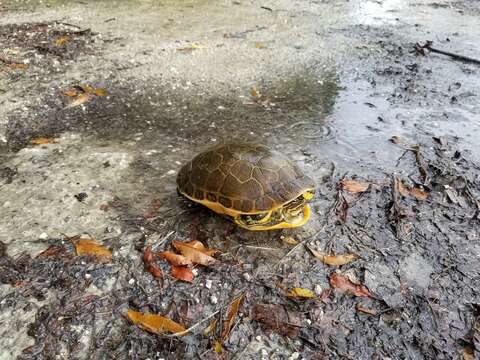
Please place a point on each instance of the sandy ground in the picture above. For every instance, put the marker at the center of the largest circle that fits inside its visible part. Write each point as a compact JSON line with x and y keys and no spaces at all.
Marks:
{"x":334,"y":80}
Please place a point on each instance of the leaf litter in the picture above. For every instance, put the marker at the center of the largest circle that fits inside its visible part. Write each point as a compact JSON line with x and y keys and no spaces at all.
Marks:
{"x":154,"y":323}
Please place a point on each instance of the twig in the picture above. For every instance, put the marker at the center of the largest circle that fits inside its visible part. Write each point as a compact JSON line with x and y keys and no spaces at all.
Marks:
{"x":428,"y":45}
{"x":421,"y":164}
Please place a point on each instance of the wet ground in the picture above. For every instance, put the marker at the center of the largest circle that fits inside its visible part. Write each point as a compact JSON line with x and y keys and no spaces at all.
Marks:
{"x":337,"y":85}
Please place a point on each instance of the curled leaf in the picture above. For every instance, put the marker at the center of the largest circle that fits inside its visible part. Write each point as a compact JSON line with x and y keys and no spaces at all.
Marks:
{"x":199,"y":246}
{"x":174,"y":259}
{"x":92,"y":248}
{"x":195,"y":255}
{"x":183,"y":273}
{"x":150,"y":264}
{"x":79,"y":100}
{"x":232,"y":314}
{"x":342,"y":283}
{"x":415,"y":192}
{"x":353,"y":186}
{"x":301,"y":292}
{"x":154,"y":323}
{"x":43,"y":141}
{"x":333,"y":260}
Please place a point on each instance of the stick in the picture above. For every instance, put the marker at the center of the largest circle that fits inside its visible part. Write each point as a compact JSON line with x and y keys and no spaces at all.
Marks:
{"x":428,"y":45}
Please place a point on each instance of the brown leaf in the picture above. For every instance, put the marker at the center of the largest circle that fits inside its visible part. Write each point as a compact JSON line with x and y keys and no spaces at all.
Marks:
{"x":43,"y":141}
{"x":54,"y":251}
{"x":210,"y":328}
{"x":150,"y":264}
{"x":195,"y":255}
{"x":86,"y":88}
{"x":174,"y":259}
{"x":344,"y":284}
{"x":353,"y":186}
{"x":232,"y":314}
{"x":277,"y":318}
{"x":199,"y":246}
{"x":333,"y":260}
{"x":154,"y":323}
{"x":62,"y":40}
{"x":18,"y":66}
{"x":183,"y":273}
{"x":415,"y":192}
{"x":365,"y":310}
{"x":92,"y":248}
{"x":468,"y":353}
{"x":70,"y":93}
{"x":254,"y":92}
{"x":79,"y":100}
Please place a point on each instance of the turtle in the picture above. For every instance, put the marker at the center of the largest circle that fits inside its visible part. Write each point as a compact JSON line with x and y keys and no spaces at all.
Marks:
{"x":252,"y":185}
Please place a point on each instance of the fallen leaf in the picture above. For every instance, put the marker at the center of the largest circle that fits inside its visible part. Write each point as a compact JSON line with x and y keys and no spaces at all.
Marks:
{"x":195,"y":255}
{"x":154,"y":323}
{"x":100,"y":92}
{"x":289,"y":240}
{"x":54,"y":251}
{"x":260,"y":45}
{"x":62,"y":40}
{"x":344,"y":284}
{"x":301,"y":292}
{"x":174,"y":259}
{"x":254,"y":92}
{"x":353,"y":186}
{"x":277,"y":318}
{"x":86,"y":88}
{"x":334,"y":260}
{"x":365,"y":310}
{"x":43,"y":141}
{"x":217,"y":346}
{"x":199,"y":246}
{"x":232,"y":314}
{"x":210,"y":328}
{"x":468,"y":353}
{"x":18,"y":66}
{"x":419,"y":194}
{"x":183,"y":273}
{"x":70,"y":93}
{"x":150,"y":264}
{"x":79,"y":100}
{"x":92,"y":248}
{"x":415,"y":192}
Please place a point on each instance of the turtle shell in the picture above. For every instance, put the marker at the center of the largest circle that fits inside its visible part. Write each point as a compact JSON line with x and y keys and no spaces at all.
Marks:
{"x":243,"y":178}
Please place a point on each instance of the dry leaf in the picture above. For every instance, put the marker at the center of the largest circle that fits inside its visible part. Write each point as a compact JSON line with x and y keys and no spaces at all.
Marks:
{"x":353,"y":186}
{"x":254,"y":92}
{"x":79,"y":100}
{"x":366,"y":310}
{"x":43,"y":141}
{"x":415,"y":192}
{"x":54,"y":250}
{"x":344,"y":284}
{"x":88,"y":89}
{"x":18,"y":66}
{"x":174,"y":259}
{"x":260,"y":45}
{"x":150,"y":264}
{"x":289,"y":240}
{"x":70,"y":93}
{"x":334,"y":260}
{"x":62,"y":40}
{"x":154,"y":323}
{"x":92,"y":248}
{"x":468,"y":353}
{"x":301,"y":292}
{"x":100,"y":92}
{"x":232,"y":314}
{"x":183,"y":273}
{"x":210,"y":328}
{"x":200,"y":247}
{"x":195,"y":255}
{"x":217,"y":346}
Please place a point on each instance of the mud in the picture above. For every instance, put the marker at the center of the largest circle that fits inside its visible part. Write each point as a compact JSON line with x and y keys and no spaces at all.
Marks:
{"x":339,"y":88}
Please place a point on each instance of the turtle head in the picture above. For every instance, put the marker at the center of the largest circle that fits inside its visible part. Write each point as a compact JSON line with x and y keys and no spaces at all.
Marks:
{"x":292,"y":214}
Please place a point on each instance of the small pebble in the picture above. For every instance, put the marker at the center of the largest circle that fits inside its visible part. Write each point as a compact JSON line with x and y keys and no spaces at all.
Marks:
{"x":294,"y":356}
{"x":208,"y":284}
{"x":247,"y":276}
{"x":131,"y":281}
{"x":318,"y":289}
{"x":171,"y":172}
{"x":43,"y":236}
{"x":88,"y":276}
{"x":213,"y":299}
